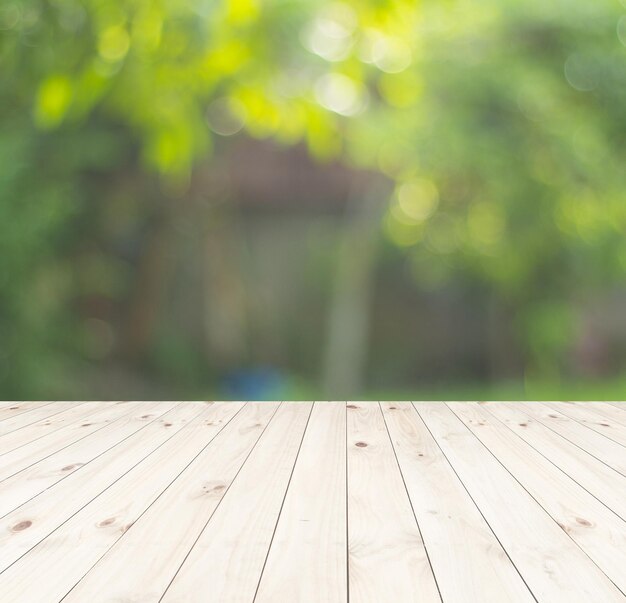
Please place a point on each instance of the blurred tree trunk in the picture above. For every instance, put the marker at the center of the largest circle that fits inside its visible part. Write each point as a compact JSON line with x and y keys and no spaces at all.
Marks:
{"x":503,"y":355}
{"x":225,"y":311}
{"x":348,"y":325}
{"x":153,"y":276}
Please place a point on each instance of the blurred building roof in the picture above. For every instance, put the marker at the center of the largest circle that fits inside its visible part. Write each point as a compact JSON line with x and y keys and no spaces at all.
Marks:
{"x":265,"y":176}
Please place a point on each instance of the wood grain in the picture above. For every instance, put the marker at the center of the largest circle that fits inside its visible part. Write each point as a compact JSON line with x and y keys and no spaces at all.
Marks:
{"x":590,"y":417}
{"x":602,"y":448}
{"x":609,"y":411}
{"x":177,"y":516}
{"x":580,"y":515}
{"x":30,"y":434}
{"x":63,"y":557}
{"x":12,"y":409}
{"x":386,"y":555}
{"x":470,"y":564}
{"x":307,"y":560}
{"x":86,"y":420}
{"x":38,"y":477}
{"x":583,"y":463}
{"x":554,"y":567}
{"x":33,"y":414}
{"x":228,"y":557}
{"x":269,"y":502}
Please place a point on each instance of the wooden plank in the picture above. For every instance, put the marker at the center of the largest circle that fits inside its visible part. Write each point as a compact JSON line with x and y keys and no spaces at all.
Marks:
{"x":65,"y":556}
{"x":592,"y":419}
{"x":607,"y":451}
{"x":620,"y":405}
{"x":468,"y":561}
{"x":307,"y":559}
{"x":12,"y":409}
{"x":125,"y":513}
{"x":21,"y":487}
{"x":227,"y":559}
{"x":212,"y":475}
{"x":44,"y":427}
{"x":47,"y":511}
{"x":609,"y":411}
{"x":386,"y":555}
{"x":552,"y":565}
{"x":84,"y":425}
{"x":591,"y":525}
{"x":33,"y":415}
{"x":602,"y":481}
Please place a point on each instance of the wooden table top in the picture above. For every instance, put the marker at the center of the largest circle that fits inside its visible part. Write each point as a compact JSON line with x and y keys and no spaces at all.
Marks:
{"x":286,"y":502}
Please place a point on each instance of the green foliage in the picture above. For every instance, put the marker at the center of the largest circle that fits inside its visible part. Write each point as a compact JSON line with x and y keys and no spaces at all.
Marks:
{"x":519,"y":129}
{"x":502,"y":123}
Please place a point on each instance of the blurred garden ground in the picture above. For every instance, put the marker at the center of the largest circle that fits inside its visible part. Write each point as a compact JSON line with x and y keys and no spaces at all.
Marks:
{"x":259,"y":199}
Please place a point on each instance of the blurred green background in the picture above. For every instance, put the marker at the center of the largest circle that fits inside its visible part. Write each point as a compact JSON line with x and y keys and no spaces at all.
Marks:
{"x":300,"y":198}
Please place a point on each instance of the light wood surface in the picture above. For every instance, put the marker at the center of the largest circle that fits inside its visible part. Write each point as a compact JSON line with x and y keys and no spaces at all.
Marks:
{"x":607,"y":451}
{"x":590,"y":416}
{"x":324,"y":502}
{"x":228,"y":556}
{"x":589,"y":523}
{"x":554,"y":567}
{"x":43,"y":429}
{"x":595,"y":464}
{"x":307,"y":560}
{"x":609,"y":411}
{"x":12,"y":409}
{"x":470,"y":564}
{"x":387,"y":557}
{"x":32,"y":415}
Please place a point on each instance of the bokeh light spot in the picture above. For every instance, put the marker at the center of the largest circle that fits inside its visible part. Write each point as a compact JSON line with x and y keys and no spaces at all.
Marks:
{"x":9,"y":17}
{"x":418,"y":199}
{"x":391,"y":54}
{"x":340,"y":94}
{"x":581,"y":72}
{"x":53,"y":100}
{"x":114,"y":43}
{"x":225,"y":116}
{"x":400,"y":232}
{"x":330,"y":34}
